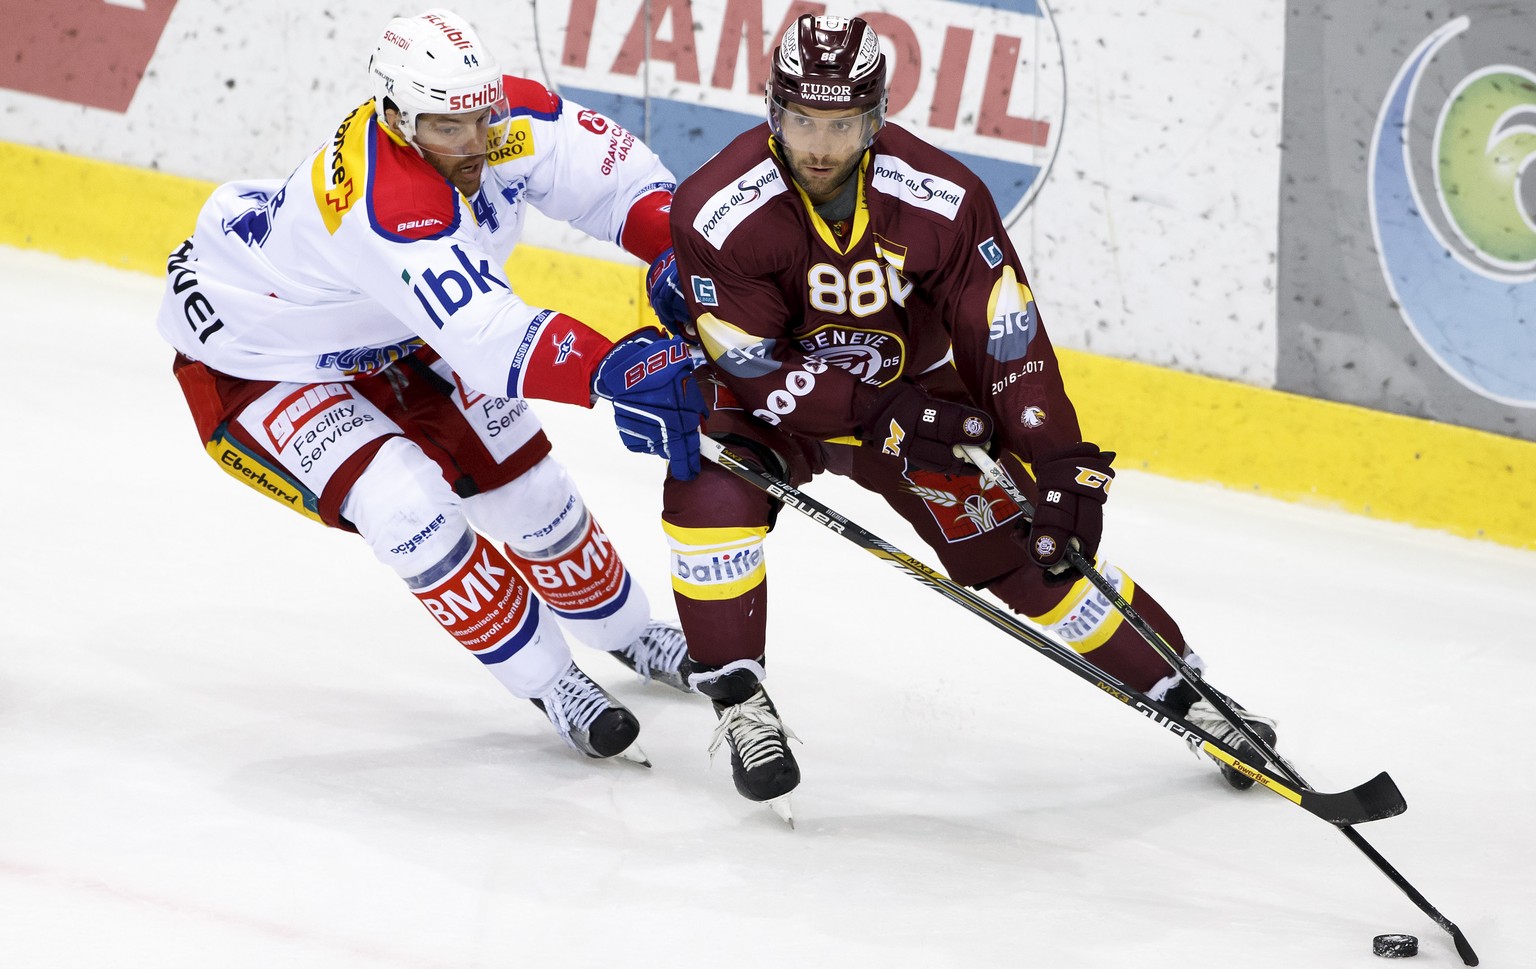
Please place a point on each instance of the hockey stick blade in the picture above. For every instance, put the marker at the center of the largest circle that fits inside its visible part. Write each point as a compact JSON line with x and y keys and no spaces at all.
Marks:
{"x":1375,"y":799}
{"x":1378,"y":793}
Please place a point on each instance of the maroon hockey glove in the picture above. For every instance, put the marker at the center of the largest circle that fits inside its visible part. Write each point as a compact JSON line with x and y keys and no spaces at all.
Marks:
{"x":1073,"y":486}
{"x":904,"y":422}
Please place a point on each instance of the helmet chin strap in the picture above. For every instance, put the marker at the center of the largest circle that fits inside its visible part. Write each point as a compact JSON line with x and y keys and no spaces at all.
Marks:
{"x":397,"y":129}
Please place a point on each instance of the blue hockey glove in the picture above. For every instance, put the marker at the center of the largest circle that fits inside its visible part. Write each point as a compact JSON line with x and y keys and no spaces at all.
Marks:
{"x":667,"y":296}
{"x":656,"y":400}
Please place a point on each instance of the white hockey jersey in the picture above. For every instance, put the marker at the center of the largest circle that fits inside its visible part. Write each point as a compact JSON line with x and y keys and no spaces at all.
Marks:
{"x":365,"y":253}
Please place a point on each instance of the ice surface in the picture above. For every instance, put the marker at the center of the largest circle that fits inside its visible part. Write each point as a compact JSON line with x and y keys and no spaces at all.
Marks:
{"x":228,"y":738}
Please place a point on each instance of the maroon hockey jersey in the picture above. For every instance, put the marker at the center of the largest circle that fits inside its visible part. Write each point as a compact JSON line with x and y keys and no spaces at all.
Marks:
{"x":804,"y":320}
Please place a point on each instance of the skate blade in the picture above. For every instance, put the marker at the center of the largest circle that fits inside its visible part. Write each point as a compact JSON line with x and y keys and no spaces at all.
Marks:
{"x":783,"y":809}
{"x":634,"y":755}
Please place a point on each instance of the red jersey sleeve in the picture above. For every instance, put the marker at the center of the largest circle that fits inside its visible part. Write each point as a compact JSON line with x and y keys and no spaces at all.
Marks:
{"x":647,"y":233}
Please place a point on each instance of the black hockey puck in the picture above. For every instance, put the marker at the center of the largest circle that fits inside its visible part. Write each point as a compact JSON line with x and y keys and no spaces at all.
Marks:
{"x":1395,"y":946}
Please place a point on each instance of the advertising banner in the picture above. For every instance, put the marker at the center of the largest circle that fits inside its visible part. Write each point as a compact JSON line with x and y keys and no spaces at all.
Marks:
{"x":1138,"y":188}
{"x":982,"y":79}
{"x":1408,"y":212}
{"x":90,"y":52}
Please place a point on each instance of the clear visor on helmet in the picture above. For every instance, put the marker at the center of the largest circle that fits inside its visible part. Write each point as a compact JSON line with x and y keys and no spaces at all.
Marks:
{"x":465,"y":134}
{"x":803,"y":128}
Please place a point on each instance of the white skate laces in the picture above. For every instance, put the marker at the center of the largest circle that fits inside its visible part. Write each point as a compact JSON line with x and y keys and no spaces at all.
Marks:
{"x":660,"y":654}
{"x":758,"y":736}
{"x":573,"y":703}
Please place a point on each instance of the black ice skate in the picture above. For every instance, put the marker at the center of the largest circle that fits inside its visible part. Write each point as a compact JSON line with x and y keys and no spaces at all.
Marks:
{"x":1185,"y":700}
{"x":761,"y":763}
{"x":660,"y":654}
{"x":590,"y":719}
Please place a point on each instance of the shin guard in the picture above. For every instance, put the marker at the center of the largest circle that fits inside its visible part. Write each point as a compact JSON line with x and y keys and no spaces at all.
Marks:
{"x":481,"y":601}
{"x":720,"y":586}
{"x":583,"y":580}
{"x":1088,"y":622}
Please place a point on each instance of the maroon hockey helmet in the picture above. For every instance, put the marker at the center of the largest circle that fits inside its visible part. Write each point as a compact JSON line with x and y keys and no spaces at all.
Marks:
{"x":828,"y":62}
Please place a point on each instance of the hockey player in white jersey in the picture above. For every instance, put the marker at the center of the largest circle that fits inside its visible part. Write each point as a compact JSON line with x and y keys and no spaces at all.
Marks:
{"x":349,"y":345}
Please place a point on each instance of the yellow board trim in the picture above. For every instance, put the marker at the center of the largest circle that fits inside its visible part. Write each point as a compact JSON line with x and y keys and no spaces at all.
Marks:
{"x":1403,"y":469}
{"x":1315,"y":452}
{"x":79,"y":208}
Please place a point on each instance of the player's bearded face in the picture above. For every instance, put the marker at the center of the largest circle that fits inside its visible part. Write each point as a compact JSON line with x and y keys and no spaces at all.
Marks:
{"x":456,"y":145}
{"x":823,"y":146}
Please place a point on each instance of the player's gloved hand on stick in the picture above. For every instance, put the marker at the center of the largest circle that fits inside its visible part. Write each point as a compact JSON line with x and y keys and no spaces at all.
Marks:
{"x":656,"y":399}
{"x":906,"y":422}
{"x":1073,"y":486}
{"x":666,"y":294}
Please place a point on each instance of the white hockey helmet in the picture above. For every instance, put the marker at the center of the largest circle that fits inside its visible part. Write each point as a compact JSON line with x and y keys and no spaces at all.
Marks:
{"x":434,"y":63}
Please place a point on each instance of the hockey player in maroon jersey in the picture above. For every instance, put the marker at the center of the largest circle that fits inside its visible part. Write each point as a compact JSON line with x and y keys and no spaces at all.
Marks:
{"x":863,"y":312}
{"x":348,"y":347}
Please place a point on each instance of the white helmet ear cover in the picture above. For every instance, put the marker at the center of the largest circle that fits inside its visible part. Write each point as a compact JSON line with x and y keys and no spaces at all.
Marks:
{"x":432,"y":63}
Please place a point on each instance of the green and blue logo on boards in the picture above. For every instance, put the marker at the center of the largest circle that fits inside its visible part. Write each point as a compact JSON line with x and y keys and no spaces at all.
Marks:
{"x":1453,"y":209}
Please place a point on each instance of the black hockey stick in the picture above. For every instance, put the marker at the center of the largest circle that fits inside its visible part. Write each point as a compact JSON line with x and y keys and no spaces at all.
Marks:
{"x":997,"y":474}
{"x":1375,"y":799}
{"x":992,"y":471}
